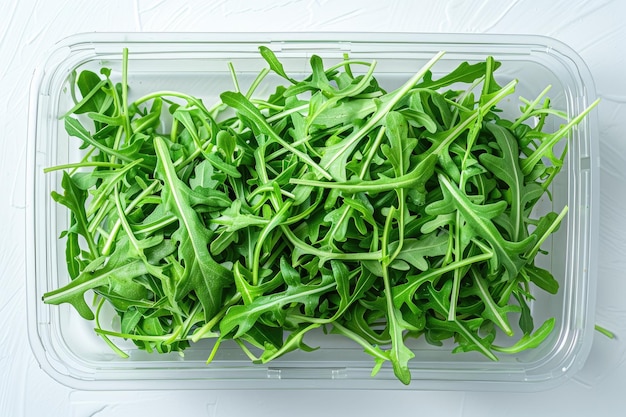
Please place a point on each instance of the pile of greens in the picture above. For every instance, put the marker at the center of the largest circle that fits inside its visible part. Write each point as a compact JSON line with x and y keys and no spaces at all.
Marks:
{"x":332,"y":203}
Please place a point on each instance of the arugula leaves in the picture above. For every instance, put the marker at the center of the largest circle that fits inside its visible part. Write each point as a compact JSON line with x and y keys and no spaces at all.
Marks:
{"x":380,"y":216}
{"x":201,"y":273}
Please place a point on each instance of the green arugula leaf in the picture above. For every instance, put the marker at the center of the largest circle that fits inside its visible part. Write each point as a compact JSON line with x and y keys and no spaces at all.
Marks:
{"x":203,"y":275}
{"x":440,"y":302}
{"x":294,"y":341}
{"x":94,"y":97}
{"x":529,"y":341}
{"x":243,"y":317}
{"x":274,"y":63}
{"x":75,"y":199}
{"x":506,"y":168}
{"x":464,"y":73}
{"x":479,"y":218}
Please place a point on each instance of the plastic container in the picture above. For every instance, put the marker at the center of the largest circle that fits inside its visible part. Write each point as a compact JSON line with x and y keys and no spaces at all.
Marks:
{"x":68,"y":349}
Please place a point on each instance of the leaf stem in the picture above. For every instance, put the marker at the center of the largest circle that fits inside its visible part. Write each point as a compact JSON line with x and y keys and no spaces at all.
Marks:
{"x":124,"y":110}
{"x":372,"y":151}
{"x":82,"y":165}
{"x":108,"y":341}
{"x":604,"y":331}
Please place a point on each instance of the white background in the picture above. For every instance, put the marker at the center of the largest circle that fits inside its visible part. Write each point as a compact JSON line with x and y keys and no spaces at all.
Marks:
{"x":595,"y":29}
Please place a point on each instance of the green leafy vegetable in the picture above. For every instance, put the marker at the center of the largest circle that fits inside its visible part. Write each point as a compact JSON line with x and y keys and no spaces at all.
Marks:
{"x":331,"y":204}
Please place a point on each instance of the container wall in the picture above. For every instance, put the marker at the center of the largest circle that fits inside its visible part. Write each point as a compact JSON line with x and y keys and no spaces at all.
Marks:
{"x":66,"y":345}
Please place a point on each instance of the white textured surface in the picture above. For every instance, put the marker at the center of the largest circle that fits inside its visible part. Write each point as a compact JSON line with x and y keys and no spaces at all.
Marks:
{"x":595,"y":29}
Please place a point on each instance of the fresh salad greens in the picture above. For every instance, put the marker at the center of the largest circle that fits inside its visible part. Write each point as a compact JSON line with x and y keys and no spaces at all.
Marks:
{"x":331,"y":204}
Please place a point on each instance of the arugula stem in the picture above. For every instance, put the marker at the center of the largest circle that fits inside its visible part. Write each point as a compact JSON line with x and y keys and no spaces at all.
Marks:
{"x":116,"y":143}
{"x":124,"y":222}
{"x":146,"y":338}
{"x":485,"y":295}
{"x":346,"y":66}
{"x":305,"y":213}
{"x":268,"y":187}
{"x":372,"y":152}
{"x":192,"y":156}
{"x":262,"y":104}
{"x":108,"y":341}
{"x":257,"y":81}
{"x":456,"y":279}
{"x":233,"y":75}
{"x":201,"y":332}
{"x":275,"y":254}
{"x":85,"y":99}
{"x":275,"y":222}
{"x":107,"y":186}
{"x":415,"y":281}
{"x":399,"y":353}
{"x":533,"y":251}
{"x":166,"y":93}
{"x":245,"y":350}
{"x":98,"y":217}
{"x":326,"y":255}
{"x":556,"y":168}
{"x":345,"y":62}
{"x":604,"y":331}
{"x":174,"y":131}
{"x":85,"y":164}
{"x":361,"y":341}
{"x":511,"y":285}
{"x":530,"y":108}
{"x":278,"y":116}
{"x":195,"y":316}
{"x":156,"y":226}
{"x":124,"y":112}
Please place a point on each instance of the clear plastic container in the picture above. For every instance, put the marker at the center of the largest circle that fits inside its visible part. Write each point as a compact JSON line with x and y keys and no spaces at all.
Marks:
{"x":69,"y":350}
